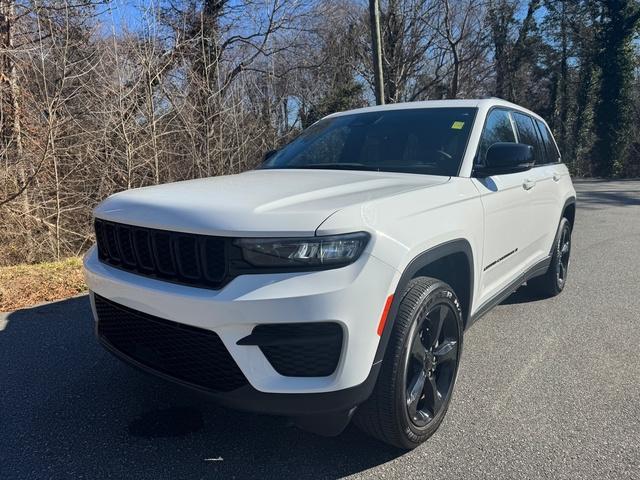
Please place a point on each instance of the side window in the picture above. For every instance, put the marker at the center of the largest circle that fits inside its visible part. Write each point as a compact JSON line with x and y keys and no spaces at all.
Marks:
{"x":553,"y":155}
{"x":527,"y":134}
{"x":497,"y":128}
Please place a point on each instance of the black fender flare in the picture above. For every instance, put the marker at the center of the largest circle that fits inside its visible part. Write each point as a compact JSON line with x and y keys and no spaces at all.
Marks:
{"x":459,"y":245}
{"x":569,"y":201}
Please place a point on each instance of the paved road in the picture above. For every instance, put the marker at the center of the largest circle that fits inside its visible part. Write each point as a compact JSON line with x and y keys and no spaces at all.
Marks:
{"x":547,"y":389}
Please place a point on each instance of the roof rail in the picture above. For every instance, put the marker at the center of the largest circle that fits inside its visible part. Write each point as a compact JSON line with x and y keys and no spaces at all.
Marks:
{"x":493,"y":97}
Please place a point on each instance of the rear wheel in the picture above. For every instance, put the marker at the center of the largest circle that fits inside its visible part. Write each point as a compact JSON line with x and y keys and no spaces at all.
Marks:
{"x":553,"y":282}
{"x":419,"y":369}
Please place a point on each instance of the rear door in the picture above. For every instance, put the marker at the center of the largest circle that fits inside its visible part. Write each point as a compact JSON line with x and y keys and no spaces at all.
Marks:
{"x":506,"y":200}
{"x":555,"y":177}
{"x":545,"y":198}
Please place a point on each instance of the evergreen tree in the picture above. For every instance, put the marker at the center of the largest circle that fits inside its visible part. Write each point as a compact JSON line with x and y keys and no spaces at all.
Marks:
{"x":614,"y":110}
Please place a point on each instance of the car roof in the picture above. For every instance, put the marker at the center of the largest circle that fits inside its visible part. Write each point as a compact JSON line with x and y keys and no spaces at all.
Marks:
{"x":481,"y":103}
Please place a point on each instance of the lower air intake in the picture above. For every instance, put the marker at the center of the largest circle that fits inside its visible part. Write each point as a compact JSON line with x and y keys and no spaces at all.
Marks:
{"x":300,"y":349}
{"x":188,"y":354}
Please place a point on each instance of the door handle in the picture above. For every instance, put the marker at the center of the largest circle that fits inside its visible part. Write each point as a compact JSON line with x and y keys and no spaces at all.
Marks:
{"x":556,"y":177}
{"x":528,"y":184}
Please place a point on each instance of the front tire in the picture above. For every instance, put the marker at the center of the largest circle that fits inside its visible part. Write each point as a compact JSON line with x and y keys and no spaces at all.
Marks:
{"x":414,"y":388}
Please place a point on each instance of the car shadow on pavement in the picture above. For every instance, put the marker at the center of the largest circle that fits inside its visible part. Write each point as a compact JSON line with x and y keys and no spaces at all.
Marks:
{"x":595,"y":199}
{"x":523,"y":294}
{"x":70,"y":409}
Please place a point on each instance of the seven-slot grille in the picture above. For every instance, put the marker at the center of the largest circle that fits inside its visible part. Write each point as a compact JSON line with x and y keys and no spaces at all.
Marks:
{"x":189,"y":354}
{"x":191,"y":259}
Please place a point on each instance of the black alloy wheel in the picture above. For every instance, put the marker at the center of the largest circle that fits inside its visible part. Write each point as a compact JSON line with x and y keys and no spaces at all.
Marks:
{"x":430,"y":363}
{"x":564,"y":251}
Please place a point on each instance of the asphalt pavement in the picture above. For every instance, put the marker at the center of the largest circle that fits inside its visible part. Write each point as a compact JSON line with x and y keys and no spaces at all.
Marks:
{"x":547,"y":389}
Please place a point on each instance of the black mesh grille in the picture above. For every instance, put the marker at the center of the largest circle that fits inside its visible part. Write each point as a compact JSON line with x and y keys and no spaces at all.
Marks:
{"x":301,"y":349}
{"x":191,"y":259}
{"x":189,"y":354}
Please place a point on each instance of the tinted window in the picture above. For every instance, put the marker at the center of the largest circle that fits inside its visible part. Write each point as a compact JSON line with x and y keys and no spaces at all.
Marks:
{"x":528,"y":135}
{"x":497,"y":128}
{"x":421,"y":140}
{"x":553,"y":155}
{"x":327,"y":147}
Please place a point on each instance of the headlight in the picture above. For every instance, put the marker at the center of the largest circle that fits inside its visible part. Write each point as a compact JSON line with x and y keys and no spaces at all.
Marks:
{"x":330,"y":251}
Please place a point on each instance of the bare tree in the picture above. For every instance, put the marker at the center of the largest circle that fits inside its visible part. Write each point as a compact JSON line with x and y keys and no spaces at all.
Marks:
{"x":460,"y":27}
{"x":91,"y":104}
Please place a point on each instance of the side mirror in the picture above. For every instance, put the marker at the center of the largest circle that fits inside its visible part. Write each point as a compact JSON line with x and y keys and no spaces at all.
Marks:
{"x":503,"y":158}
{"x":269,"y":154}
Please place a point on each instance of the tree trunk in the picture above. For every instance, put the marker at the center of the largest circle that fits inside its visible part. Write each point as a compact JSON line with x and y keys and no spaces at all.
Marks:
{"x":455,"y":79}
{"x":10,"y":130}
{"x":376,"y":47}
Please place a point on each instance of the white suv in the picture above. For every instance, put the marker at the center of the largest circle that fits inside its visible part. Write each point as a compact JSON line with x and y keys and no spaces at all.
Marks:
{"x":337,"y":279}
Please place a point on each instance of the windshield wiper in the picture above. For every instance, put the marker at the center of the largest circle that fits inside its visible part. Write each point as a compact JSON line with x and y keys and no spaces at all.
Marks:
{"x":336,"y":166}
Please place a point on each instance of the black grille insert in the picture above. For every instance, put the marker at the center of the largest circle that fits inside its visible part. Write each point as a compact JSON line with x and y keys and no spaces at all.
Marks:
{"x":189,"y":354}
{"x":186,"y":258}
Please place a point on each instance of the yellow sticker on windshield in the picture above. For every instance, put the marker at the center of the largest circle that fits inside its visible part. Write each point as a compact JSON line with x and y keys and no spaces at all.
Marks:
{"x":457,"y":125}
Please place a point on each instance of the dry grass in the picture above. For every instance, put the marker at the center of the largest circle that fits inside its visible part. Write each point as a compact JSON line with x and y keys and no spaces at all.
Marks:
{"x":25,"y":285}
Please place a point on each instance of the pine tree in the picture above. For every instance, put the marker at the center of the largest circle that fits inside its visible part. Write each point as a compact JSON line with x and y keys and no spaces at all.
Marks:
{"x":614,"y":112}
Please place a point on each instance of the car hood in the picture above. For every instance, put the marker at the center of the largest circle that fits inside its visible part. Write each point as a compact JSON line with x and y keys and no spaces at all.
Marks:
{"x":258,"y":202}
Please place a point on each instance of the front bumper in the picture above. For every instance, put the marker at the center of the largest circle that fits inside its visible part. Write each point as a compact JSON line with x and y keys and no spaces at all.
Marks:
{"x":352,"y":296}
{"x":297,"y":405}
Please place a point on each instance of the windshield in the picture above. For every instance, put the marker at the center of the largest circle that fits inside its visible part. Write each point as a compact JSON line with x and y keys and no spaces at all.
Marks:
{"x":419,"y":140}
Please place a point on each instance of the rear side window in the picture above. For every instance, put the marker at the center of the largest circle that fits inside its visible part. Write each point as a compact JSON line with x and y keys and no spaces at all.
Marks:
{"x":553,"y":155}
{"x":497,"y":128}
{"x":527,"y":134}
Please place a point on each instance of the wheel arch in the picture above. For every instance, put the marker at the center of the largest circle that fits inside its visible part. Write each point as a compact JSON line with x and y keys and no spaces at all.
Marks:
{"x":569,"y":210}
{"x":451,"y":262}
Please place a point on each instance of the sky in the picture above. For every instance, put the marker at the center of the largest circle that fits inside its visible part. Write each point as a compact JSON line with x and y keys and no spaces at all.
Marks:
{"x":124,"y":15}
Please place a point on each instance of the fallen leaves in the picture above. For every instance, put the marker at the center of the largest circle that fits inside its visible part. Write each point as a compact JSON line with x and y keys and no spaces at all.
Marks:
{"x":25,"y":285}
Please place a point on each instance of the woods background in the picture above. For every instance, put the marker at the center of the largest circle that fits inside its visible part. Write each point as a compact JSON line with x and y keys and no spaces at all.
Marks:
{"x":97,"y":97}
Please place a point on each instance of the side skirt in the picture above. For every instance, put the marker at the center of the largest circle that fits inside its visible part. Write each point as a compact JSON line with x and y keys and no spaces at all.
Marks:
{"x":536,"y":270}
